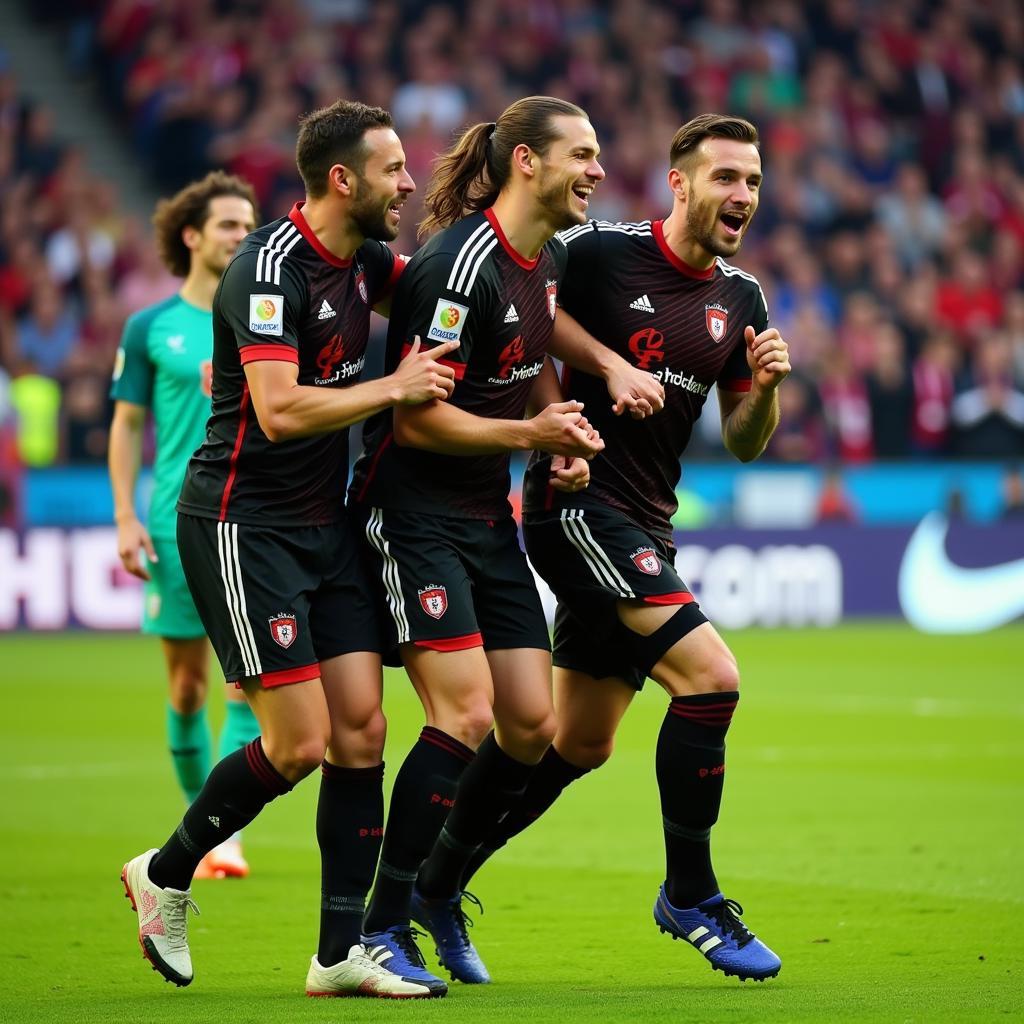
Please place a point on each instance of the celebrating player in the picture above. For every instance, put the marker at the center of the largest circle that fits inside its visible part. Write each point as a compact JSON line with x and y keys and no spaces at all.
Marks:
{"x":661,"y":294}
{"x":164,"y":365}
{"x":433,"y":488}
{"x":265,"y":545}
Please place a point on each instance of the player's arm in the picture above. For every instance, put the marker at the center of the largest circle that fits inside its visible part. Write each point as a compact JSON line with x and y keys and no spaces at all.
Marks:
{"x":566,"y":473}
{"x":749,"y":419}
{"x":124,"y":456}
{"x":286,"y":409}
{"x":629,"y":387}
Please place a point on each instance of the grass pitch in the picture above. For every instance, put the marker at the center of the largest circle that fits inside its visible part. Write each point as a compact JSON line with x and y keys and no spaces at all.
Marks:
{"x":872,"y":829}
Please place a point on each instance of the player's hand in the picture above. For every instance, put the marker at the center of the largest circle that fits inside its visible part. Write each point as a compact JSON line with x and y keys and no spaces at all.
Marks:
{"x":131,"y":537}
{"x":562,"y":429}
{"x":634,"y":390}
{"x":421,"y":376}
{"x":767,"y":357}
{"x":568,"y":474}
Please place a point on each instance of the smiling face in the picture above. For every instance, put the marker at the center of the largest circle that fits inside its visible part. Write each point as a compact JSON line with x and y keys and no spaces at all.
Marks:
{"x":723,"y":181}
{"x":382,"y":187}
{"x":568,"y":172}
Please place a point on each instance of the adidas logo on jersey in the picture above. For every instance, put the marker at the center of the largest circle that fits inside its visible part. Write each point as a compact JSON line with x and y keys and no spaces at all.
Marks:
{"x":511,"y":316}
{"x":325,"y":311}
{"x":643,"y":304}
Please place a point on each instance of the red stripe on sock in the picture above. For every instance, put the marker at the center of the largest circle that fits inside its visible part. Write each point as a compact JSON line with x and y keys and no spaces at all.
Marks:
{"x":445,"y":742}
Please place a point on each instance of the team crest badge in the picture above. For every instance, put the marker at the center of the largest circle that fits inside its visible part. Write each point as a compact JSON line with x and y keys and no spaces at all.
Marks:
{"x":552,"y":290}
{"x":717,"y":319}
{"x":283,"y":629}
{"x":361,"y":285}
{"x":434,"y":600}
{"x":646,"y":561}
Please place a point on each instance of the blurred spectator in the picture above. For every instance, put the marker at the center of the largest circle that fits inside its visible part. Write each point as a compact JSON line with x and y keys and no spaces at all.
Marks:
{"x":933,"y":379}
{"x":890,"y":394}
{"x":35,"y":400}
{"x":800,"y":436}
{"x":1013,"y":493}
{"x":834,"y":502}
{"x":988,"y":411}
{"x":914,"y":219}
{"x":47,"y":334}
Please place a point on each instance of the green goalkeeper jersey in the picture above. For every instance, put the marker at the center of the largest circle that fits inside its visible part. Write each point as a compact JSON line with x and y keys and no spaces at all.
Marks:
{"x":164,"y":362}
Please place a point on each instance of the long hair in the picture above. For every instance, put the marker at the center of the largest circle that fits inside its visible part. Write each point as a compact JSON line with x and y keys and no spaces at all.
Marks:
{"x":469,"y":176}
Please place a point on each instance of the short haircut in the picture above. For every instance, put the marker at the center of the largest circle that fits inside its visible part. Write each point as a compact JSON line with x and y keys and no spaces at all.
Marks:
{"x":335,"y":135}
{"x":190,"y":208}
{"x":709,"y":126}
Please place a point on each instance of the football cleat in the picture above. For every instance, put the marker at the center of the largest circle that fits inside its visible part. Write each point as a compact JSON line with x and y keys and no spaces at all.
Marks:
{"x":162,"y":930}
{"x":226,"y":860}
{"x":359,"y":975}
{"x":447,"y":923}
{"x":715,"y":929}
{"x":395,"y":948}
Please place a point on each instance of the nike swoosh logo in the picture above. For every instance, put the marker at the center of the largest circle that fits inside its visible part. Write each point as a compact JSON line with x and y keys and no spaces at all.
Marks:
{"x":938,"y":596}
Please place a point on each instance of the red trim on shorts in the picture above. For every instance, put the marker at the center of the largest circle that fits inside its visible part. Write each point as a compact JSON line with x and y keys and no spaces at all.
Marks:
{"x":373,"y":467}
{"x":743,"y":384}
{"x":459,"y":368}
{"x":296,"y":217}
{"x":277,"y":353}
{"x":681,"y":265}
{"x":243,"y":409}
{"x":452,"y":643}
{"x":507,"y":245}
{"x":676,"y":597}
{"x":290,"y":675}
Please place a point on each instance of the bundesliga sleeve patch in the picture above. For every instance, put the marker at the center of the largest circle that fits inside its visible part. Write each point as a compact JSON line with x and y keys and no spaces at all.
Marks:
{"x":447,"y":322}
{"x":266,"y":314}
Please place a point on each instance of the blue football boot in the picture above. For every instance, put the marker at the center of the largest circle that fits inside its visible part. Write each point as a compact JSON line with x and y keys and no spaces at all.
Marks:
{"x":395,"y":948}
{"x":447,"y":922}
{"x":715,"y":929}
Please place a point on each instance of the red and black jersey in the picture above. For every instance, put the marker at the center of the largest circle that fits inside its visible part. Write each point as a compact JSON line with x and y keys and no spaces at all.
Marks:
{"x":628,"y":289}
{"x":467,"y":284}
{"x":283,"y":296}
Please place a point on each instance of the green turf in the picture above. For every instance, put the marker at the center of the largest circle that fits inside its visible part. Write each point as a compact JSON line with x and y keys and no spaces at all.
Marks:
{"x":872,"y":828}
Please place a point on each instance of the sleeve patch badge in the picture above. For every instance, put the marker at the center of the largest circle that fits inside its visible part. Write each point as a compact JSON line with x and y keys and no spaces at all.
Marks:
{"x":447,"y":322}
{"x":266,"y":314}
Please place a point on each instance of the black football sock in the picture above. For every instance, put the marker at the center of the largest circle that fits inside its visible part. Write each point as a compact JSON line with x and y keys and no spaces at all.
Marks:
{"x":487,"y":789}
{"x":423,"y":795}
{"x":690,"y":765}
{"x":349,"y":830}
{"x":237,"y":789}
{"x":546,"y":783}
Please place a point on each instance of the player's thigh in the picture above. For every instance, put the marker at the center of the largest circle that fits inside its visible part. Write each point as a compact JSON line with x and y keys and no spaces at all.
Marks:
{"x":294,"y":722}
{"x":252,"y":587}
{"x":455,"y":688}
{"x":168,"y":610}
{"x":700,"y":661}
{"x":524,"y":714}
{"x":353,"y":686}
{"x":418,"y":563}
{"x":588,"y":712}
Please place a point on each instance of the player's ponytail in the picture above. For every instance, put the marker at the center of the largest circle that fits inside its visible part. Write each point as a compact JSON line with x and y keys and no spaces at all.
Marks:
{"x":470,"y":175}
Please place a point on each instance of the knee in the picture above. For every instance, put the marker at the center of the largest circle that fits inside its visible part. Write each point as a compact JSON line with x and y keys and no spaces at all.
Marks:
{"x":298,"y":757}
{"x":587,"y":752}
{"x":360,"y":742}
{"x":187,"y":691}
{"x":469,"y":724}
{"x":722,"y":675}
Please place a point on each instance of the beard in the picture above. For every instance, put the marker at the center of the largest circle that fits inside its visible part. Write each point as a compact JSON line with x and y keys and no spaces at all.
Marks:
{"x":369,"y":214}
{"x":702,"y":232}
{"x":556,"y":204}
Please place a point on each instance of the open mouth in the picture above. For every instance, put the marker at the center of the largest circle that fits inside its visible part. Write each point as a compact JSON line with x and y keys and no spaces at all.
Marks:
{"x":733,"y":223}
{"x":582,"y":193}
{"x":396,"y":208}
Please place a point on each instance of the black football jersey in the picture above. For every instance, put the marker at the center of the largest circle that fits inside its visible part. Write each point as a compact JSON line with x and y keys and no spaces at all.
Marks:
{"x":283,"y":296}
{"x":628,"y":289}
{"x":466,"y":284}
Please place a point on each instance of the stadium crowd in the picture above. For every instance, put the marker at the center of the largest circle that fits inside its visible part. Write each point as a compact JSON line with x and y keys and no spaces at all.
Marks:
{"x":890,"y":239}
